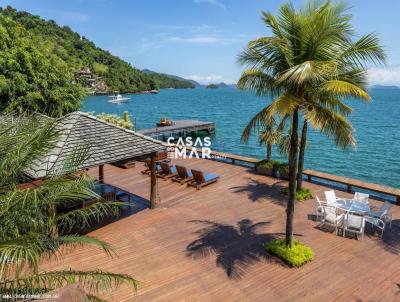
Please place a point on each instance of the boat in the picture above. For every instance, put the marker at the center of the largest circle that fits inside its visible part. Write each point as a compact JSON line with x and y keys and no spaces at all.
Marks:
{"x":117,"y":98}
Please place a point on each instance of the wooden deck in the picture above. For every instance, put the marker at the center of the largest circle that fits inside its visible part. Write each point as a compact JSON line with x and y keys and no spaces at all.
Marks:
{"x":207,"y":245}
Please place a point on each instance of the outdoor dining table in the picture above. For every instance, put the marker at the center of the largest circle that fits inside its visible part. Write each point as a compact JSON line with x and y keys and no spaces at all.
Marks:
{"x":353,"y":206}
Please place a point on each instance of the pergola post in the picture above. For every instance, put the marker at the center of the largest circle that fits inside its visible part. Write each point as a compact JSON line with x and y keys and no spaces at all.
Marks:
{"x":101,"y":173}
{"x":53,"y":227}
{"x":153,"y":181}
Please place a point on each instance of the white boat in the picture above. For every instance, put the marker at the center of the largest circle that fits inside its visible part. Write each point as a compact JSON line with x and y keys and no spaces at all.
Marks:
{"x":117,"y":98}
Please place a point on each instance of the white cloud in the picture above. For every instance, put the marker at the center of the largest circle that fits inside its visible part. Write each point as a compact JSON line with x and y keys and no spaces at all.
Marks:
{"x":389,"y":75}
{"x":208,"y":79}
{"x":212,"y":2}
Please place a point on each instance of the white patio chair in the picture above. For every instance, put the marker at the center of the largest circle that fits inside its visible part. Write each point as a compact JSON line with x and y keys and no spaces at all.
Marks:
{"x":319,"y":211}
{"x":376,"y":222}
{"x":331,"y":217}
{"x":330,"y":197}
{"x":362,"y":197}
{"x":354,"y":224}
{"x":383,"y":213}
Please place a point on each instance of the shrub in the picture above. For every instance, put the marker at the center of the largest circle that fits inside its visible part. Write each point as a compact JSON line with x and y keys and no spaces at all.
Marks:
{"x":124,"y":121}
{"x":283,"y":168}
{"x":296,"y":256}
{"x":269,"y":165}
{"x":301,"y":195}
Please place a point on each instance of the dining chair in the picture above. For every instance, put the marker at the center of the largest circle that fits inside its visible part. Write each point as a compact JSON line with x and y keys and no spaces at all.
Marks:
{"x":362,"y":197}
{"x":319,"y":211}
{"x":383,"y":213}
{"x":330,"y":197}
{"x":376,"y":222}
{"x":331,"y":217}
{"x":354,"y":224}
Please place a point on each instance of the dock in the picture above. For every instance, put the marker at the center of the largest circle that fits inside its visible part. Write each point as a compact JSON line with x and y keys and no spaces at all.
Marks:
{"x":181,"y":128}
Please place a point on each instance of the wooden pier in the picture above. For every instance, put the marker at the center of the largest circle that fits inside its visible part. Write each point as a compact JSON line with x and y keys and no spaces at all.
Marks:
{"x":180,"y":127}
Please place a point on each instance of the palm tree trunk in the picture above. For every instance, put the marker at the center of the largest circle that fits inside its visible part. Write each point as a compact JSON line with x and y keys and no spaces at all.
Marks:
{"x":269,"y":151}
{"x":292,"y":177}
{"x":303,"y":143}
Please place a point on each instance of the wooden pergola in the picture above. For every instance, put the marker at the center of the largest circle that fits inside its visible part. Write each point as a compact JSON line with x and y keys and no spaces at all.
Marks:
{"x":106,"y":144}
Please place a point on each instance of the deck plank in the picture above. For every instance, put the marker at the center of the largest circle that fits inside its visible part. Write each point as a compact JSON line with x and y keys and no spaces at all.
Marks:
{"x":152,"y":244}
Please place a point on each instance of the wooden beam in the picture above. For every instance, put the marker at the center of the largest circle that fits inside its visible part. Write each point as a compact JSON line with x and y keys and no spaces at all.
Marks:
{"x":153,"y":181}
{"x":101,"y":173}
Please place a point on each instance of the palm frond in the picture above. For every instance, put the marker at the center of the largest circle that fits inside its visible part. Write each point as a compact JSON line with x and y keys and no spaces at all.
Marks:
{"x":345,"y":89}
{"x":92,"y":281}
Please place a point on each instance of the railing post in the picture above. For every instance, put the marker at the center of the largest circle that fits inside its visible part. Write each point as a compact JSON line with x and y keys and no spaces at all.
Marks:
{"x":349,"y":188}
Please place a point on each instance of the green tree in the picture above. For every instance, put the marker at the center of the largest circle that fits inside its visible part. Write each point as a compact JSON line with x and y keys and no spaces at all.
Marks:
{"x":309,"y":64}
{"x":270,"y":132}
{"x":29,"y":224}
{"x":32,"y":78}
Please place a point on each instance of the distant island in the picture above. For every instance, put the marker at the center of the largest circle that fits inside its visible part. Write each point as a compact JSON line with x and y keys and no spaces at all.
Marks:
{"x":387,"y":87}
{"x":221,"y":85}
{"x":171,"y":81}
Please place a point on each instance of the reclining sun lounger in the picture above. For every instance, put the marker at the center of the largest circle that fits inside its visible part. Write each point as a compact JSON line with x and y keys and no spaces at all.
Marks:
{"x":147,"y":163}
{"x":167,"y":171}
{"x":184,"y":175}
{"x":201,"y":179}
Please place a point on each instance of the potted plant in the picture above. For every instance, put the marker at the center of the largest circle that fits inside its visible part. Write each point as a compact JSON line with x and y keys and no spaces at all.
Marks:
{"x":268,"y":168}
{"x":283,"y":171}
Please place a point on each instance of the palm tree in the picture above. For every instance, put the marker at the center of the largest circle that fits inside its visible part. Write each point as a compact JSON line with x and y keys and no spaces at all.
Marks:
{"x":269,"y":132}
{"x":28,"y":223}
{"x":309,"y":64}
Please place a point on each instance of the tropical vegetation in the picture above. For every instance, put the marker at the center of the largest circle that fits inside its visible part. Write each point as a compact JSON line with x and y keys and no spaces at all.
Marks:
{"x":39,"y":62}
{"x":33,"y":227}
{"x":296,"y":255}
{"x":124,"y":121}
{"x":301,"y":194}
{"x":310,"y":65}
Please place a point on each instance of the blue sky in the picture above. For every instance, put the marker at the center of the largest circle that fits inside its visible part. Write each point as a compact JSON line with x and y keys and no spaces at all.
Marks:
{"x":200,"y":39}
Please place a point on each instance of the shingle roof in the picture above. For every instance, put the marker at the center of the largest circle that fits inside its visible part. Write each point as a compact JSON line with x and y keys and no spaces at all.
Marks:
{"x":107,"y":143}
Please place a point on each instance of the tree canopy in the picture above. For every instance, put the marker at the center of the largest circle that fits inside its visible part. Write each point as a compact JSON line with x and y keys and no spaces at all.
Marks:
{"x":38,"y":59}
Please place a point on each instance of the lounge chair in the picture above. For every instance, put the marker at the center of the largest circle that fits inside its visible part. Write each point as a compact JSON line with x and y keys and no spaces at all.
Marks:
{"x":354,"y":224}
{"x":147,"y":163}
{"x":184,"y":175}
{"x":167,"y":171}
{"x":362,"y":197}
{"x":201,"y":179}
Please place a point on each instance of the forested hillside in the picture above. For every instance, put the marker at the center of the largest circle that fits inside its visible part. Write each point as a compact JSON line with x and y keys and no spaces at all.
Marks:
{"x":39,"y":61}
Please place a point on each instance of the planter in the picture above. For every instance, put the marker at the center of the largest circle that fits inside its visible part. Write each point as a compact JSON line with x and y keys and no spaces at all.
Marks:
{"x":265,"y":171}
{"x":284,"y":176}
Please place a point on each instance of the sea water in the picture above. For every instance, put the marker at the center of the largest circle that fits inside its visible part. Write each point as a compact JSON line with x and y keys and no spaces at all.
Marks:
{"x":377,"y":127}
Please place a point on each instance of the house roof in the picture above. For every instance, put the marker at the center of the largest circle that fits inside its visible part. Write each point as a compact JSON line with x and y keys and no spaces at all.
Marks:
{"x":106,"y":143}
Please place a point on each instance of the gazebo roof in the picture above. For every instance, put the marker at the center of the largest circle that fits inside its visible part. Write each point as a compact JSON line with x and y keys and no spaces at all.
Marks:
{"x":107,"y":143}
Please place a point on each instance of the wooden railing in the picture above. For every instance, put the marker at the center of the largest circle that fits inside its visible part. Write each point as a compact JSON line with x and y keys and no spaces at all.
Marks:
{"x":350,"y":183}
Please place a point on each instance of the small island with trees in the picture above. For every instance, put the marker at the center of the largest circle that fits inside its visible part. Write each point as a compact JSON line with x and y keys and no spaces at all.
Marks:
{"x":212,"y":86}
